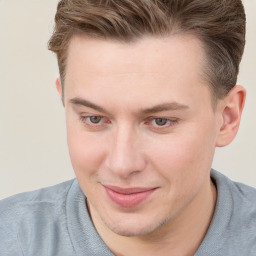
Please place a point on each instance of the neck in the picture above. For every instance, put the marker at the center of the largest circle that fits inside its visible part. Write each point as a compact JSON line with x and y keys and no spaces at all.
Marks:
{"x":180,"y":236}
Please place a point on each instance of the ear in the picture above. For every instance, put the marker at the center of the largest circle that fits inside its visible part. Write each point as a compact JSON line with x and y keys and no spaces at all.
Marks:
{"x":231,"y":112}
{"x":59,"y":88}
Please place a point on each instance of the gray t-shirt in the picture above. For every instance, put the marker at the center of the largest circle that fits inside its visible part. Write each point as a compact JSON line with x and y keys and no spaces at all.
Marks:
{"x":54,"y":221}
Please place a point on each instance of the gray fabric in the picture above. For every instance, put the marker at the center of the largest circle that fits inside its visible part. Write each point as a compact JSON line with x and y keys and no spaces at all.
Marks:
{"x":233,"y":228}
{"x":54,"y":222}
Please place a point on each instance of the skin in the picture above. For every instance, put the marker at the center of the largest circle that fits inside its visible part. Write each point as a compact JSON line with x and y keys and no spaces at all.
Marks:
{"x":140,"y":115}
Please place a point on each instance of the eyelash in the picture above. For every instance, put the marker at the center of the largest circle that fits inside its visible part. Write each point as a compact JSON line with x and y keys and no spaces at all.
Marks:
{"x":85,"y":118}
{"x":170,"y":122}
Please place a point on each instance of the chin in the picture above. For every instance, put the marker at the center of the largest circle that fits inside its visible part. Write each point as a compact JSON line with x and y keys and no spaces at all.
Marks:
{"x":134,"y":228}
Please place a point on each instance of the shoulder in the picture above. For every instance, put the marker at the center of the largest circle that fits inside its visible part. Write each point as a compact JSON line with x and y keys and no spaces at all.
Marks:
{"x":22,"y":203}
{"x":20,"y":214}
{"x":48,"y":195}
{"x":231,"y":191}
{"x":234,"y":222}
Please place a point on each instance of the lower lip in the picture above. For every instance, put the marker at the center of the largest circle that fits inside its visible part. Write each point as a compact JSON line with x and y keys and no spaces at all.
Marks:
{"x":128,"y":200}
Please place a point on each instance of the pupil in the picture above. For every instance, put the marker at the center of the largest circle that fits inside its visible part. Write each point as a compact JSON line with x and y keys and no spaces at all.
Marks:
{"x":161,"y":121}
{"x":95,"y":119}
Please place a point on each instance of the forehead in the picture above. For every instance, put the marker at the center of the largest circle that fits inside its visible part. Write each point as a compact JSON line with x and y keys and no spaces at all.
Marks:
{"x":142,"y":55}
{"x":150,"y":68}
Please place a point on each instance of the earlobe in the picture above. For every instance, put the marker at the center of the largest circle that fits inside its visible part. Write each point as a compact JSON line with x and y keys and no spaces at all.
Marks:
{"x":231,"y":115}
{"x":59,"y":88}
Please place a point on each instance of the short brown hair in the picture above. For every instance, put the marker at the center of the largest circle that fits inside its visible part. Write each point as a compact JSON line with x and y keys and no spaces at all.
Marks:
{"x":219,"y":24}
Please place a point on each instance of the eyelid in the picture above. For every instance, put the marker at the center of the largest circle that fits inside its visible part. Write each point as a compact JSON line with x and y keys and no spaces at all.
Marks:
{"x":171,"y":121}
{"x":82,"y":110}
{"x":85,"y":117}
{"x":162,"y":117}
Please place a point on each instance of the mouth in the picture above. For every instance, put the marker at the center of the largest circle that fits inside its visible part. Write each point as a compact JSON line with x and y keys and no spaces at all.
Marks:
{"x":128,"y":197}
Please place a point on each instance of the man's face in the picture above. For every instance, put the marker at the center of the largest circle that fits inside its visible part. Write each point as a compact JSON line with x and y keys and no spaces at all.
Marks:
{"x":141,"y":129}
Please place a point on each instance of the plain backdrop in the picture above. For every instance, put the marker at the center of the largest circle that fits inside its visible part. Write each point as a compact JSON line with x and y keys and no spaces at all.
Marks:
{"x":33,"y":150}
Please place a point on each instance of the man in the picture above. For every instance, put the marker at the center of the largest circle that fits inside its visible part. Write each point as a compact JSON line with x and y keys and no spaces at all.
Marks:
{"x":149,"y":89}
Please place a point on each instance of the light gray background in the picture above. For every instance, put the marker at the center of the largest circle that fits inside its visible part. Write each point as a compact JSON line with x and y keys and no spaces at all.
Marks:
{"x":33,"y":151}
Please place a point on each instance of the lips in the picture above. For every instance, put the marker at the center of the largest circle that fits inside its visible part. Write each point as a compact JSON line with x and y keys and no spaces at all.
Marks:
{"x":128,"y":197}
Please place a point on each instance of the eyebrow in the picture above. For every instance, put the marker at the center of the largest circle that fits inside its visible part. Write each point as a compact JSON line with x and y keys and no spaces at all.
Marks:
{"x":165,"y":107}
{"x":155,"y":109}
{"x":86,"y":103}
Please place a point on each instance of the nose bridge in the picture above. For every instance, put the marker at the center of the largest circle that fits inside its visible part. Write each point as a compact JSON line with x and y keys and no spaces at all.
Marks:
{"x":125,"y":157}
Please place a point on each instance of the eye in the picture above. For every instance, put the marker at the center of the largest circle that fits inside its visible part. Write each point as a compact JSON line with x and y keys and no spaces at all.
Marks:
{"x":95,"y":119}
{"x":160,"y":121}
{"x":94,"y":122}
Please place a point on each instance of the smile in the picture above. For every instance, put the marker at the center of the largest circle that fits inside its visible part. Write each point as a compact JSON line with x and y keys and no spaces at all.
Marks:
{"x":128,"y":197}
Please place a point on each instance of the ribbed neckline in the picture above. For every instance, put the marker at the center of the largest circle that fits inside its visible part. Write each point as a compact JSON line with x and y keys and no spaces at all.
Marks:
{"x":214,"y":240}
{"x":84,"y":237}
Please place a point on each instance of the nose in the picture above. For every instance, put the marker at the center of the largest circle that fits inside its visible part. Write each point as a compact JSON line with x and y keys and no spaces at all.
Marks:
{"x":125,"y":155}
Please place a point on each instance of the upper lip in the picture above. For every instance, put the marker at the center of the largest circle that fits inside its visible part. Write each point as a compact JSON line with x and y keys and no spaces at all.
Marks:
{"x":127,"y":191}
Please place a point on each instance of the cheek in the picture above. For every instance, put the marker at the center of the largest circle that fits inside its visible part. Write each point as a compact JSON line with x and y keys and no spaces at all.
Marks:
{"x":184,"y":165}
{"x":86,"y":151}
{"x":184,"y":158}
